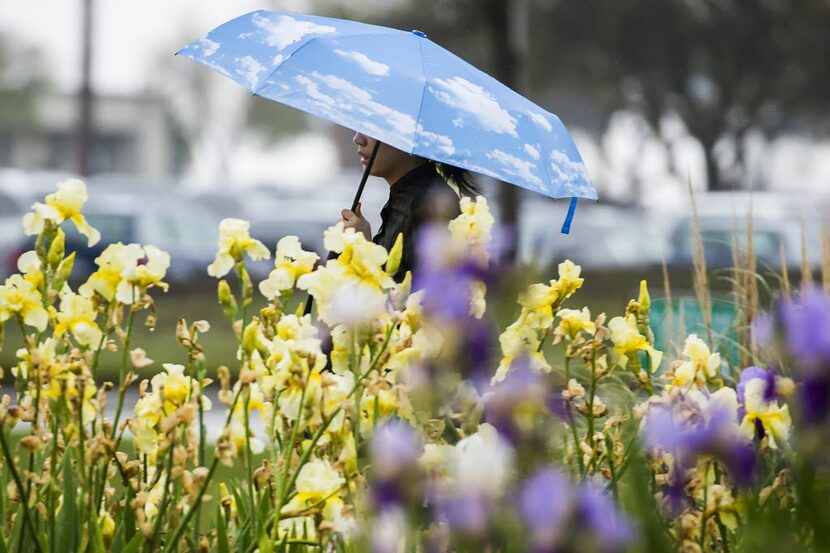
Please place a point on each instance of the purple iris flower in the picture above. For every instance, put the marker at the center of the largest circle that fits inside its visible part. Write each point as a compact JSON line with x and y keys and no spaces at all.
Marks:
{"x":611,"y":527}
{"x":751,"y":373}
{"x":478,"y":344}
{"x":814,"y":394}
{"x":395,"y":447}
{"x":467,"y":513}
{"x":806,"y":322}
{"x":544,"y":504}
{"x":447,"y":285}
{"x":522,"y":385}
{"x":711,"y":432}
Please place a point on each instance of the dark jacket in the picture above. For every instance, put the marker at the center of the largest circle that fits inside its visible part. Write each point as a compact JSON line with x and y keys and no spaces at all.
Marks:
{"x":418,"y":197}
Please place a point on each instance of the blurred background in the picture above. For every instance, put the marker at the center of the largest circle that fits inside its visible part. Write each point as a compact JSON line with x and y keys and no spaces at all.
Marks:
{"x":660,"y":95}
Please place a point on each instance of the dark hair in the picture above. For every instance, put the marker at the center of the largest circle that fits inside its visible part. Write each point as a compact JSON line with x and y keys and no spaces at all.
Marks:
{"x":458,"y":177}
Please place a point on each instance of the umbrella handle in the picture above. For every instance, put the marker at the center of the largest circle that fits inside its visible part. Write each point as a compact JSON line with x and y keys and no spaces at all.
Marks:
{"x":358,"y":194}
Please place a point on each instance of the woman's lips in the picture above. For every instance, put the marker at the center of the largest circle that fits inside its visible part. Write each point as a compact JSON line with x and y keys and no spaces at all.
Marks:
{"x":363,"y":159}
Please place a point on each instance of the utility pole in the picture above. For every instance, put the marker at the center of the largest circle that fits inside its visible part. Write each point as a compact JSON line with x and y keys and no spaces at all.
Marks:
{"x":85,"y":130}
{"x":507,"y":22}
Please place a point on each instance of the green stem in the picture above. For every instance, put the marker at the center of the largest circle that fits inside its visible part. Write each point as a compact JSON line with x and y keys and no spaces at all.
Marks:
{"x":287,"y":453}
{"x":19,"y":483}
{"x":703,"y":516}
{"x":97,"y":357}
{"x":35,"y":428}
{"x":183,"y":524}
{"x":572,"y":424}
{"x":609,"y":447}
{"x":163,"y":504}
{"x":589,"y":438}
{"x":52,"y":476}
{"x":202,"y":441}
{"x":122,"y":375}
{"x":249,"y":463}
{"x":327,"y":421}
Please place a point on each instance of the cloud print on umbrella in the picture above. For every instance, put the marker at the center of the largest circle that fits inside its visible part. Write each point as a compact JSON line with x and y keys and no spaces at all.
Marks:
{"x":400,"y":88}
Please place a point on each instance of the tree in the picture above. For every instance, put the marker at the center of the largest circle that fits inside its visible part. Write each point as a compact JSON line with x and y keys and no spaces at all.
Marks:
{"x":725,"y":67}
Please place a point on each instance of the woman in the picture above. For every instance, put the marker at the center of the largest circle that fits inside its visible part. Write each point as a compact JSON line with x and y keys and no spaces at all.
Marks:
{"x":420,"y":190}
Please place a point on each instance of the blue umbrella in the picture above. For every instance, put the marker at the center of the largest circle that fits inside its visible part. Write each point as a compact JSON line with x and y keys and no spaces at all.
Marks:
{"x":402,"y":89}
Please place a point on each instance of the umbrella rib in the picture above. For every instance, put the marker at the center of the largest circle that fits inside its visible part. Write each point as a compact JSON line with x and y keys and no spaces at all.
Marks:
{"x":280,"y":64}
{"x":423,"y":91}
{"x":306,"y":43}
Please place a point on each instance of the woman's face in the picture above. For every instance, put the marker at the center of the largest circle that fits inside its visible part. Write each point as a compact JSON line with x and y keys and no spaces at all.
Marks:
{"x":388,"y":160}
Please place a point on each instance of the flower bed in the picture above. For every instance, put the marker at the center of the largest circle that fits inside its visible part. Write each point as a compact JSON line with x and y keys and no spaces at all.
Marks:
{"x":396,"y":417}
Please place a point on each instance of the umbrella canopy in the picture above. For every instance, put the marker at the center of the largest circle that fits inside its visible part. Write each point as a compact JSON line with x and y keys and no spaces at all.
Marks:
{"x":402,"y":89}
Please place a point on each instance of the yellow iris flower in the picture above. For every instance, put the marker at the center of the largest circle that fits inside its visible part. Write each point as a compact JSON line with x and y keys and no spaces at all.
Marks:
{"x":699,"y":366}
{"x":318,"y":484}
{"x":60,"y":206}
{"x":775,"y":419}
{"x":234,"y":242}
{"x":77,"y":315}
{"x":628,"y":341}
{"x":290,"y":263}
{"x":473,"y":227}
{"x":18,"y":297}
{"x":574,"y":321}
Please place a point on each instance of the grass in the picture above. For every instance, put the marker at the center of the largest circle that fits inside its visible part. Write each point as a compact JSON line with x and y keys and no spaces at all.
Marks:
{"x":603,"y":291}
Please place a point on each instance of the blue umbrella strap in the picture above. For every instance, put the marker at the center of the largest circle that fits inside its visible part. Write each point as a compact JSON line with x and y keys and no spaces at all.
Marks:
{"x":566,"y":226}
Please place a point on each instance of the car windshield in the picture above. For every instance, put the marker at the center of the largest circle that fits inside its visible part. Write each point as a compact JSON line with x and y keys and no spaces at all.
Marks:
{"x":113,"y":227}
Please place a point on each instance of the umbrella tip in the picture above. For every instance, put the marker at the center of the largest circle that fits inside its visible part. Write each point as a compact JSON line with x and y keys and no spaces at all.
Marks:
{"x":419,"y":33}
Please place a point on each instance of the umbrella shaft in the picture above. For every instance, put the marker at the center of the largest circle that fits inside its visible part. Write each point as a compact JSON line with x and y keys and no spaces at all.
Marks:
{"x":358,"y":194}
{"x":365,"y":176}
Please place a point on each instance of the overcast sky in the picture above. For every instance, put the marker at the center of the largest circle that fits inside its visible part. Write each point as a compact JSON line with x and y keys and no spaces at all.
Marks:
{"x":129,"y":34}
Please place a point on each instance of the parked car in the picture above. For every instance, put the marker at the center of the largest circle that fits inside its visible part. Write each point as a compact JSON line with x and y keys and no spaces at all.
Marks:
{"x":11,"y":232}
{"x":777,"y":221}
{"x":601,"y":236}
{"x":184,"y":230}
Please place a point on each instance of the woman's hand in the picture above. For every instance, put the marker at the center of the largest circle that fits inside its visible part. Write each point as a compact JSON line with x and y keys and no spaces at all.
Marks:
{"x":355,"y":220}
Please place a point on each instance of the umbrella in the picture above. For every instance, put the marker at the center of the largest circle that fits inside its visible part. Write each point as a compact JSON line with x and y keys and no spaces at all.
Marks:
{"x":402,"y":89}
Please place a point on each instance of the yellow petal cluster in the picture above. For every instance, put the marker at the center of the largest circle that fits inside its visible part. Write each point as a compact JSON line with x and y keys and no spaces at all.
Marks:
{"x":539,"y":300}
{"x":574,"y":321}
{"x":234,"y":242}
{"x":290,"y":263}
{"x":77,"y":315}
{"x":126,"y":271}
{"x":352,"y":288}
{"x":519,"y":341}
{"x":628,"y":341}
{"x":60,"y":206}
{"x":472,"y":228}
{"x":775,"y":419}
{"x":318,"y":484}
{"x":699,"y":366}
{"x":20,"y":298}
{"x":170,"y":390}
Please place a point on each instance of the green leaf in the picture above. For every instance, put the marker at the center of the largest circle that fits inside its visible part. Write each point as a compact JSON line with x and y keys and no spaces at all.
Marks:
{"x":3,"y":548}
{"x":63,"y":272}
{"x":133,"y":545}
{"x":241,"y":504}
{"x":97,"y":540}
{"x":129,"y":516}
{"x":227,"y":300}
{"x":68,"y":521}
{"x":222,"y":545}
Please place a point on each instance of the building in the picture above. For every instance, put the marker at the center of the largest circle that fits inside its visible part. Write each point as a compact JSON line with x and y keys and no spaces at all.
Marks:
{"x":134,"y":135}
